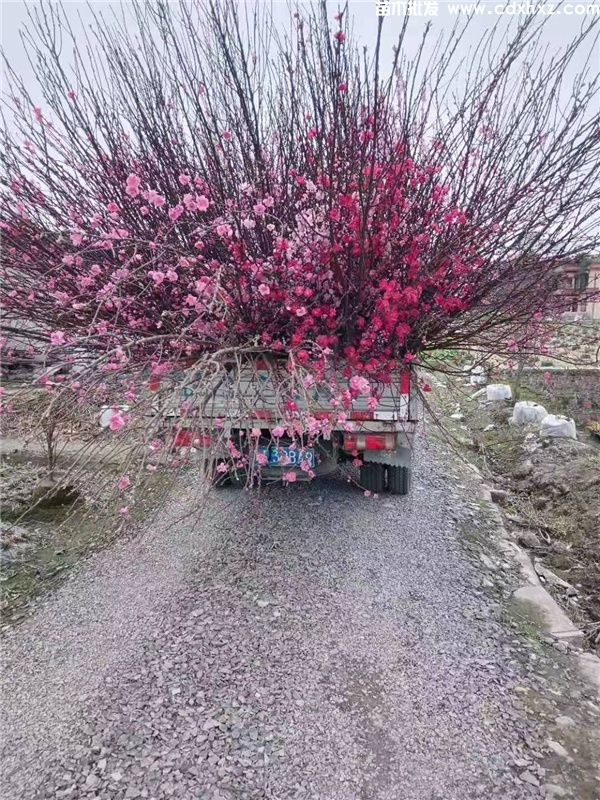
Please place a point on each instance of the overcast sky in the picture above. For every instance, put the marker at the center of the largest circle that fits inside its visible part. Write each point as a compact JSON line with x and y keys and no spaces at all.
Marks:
{"x":558,"y":31}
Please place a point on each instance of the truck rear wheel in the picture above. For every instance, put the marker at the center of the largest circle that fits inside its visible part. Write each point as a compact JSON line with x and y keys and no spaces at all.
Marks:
{"x":398,"y":480}
{"x":372,"y":477}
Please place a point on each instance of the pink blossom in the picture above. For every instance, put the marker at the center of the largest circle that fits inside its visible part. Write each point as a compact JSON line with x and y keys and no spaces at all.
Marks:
{"x":116,"y":422}
{"x":57,"y":338}
{"x":175,"y":213}
{"x":132,"y":185}
{"x":249,"y":223}
{"x":172,"y":276}
{"x":255,"y":432}
{"x":157,"y":276}
{"x":68,"y":260}
{"x":123,"y":483}
{"x":278,"y":431}
{"x":124,"y":511}
{"x":342,"y":87}
{"x":71,"y":94}
{"x":112,"y":208}
{"x":289,"y":477}
{"x":76,"y":238}
{"x":222,"y":467}
{"x":264,"y":289}
{"x":224,"y":230}
{"x":360,"y":386}
{"x":259,"y":209}
{"x":227,"y":135}
{"x":339,"y":36}
{"x":155,"y":199}
{"x":184,"y":179}
{"x":202,"y":203}
{"x":300,"y":311}
{"x":38,"y":113}
{"x":262,"y":459}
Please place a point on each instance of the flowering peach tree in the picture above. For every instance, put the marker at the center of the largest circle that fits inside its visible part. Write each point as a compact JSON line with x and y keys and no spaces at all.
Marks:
{"x":174,"y":205}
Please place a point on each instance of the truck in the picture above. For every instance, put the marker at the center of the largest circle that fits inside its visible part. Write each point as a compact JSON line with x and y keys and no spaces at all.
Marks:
{"x":245,"y":408}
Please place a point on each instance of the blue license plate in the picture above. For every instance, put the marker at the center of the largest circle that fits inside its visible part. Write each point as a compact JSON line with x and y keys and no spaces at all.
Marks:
{"x":288,"y":456}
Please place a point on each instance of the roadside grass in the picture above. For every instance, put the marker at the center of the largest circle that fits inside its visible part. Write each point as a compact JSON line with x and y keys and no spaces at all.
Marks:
{"x":52,"y":540}
{"x":558,"y":498}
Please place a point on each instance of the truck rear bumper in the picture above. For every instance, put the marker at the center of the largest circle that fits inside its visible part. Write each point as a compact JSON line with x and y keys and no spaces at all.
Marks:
{"x":377,"y":446}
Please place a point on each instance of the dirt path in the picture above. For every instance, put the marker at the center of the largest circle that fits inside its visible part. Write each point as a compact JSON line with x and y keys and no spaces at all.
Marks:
{"x":318,"y":644}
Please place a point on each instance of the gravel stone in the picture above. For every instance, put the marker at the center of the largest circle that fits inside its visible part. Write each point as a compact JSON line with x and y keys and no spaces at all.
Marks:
{"x":529,"y":539}
{"x":553,"y":791}
{"x":557,"y":748}
{"x":499,"y":495}
{"x":378,"y":667}
{"x":564,"y":721}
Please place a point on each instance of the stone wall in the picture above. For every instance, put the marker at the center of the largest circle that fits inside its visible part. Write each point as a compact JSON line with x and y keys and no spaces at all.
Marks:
{"x":574,"y":392}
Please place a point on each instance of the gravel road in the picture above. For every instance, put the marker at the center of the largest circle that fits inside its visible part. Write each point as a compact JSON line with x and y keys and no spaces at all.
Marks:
{"x":316,"y":644}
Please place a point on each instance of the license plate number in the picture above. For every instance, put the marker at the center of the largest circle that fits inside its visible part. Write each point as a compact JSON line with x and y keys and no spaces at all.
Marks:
{"x":288,"y":456}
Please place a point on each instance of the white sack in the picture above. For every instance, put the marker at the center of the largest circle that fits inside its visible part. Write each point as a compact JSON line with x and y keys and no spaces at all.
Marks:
{"x":499,"y":391}
{"x":557,"y":426}
{"x":526,"y":412}
{"x":478,"y":376}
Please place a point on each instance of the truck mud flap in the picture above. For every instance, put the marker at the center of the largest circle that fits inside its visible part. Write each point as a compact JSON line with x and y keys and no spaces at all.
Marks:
{"x":398,"y":480}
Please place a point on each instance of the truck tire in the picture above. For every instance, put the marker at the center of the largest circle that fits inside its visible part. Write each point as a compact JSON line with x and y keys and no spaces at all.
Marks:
{"x":398,"y":480}
{"x":372,"y":477}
